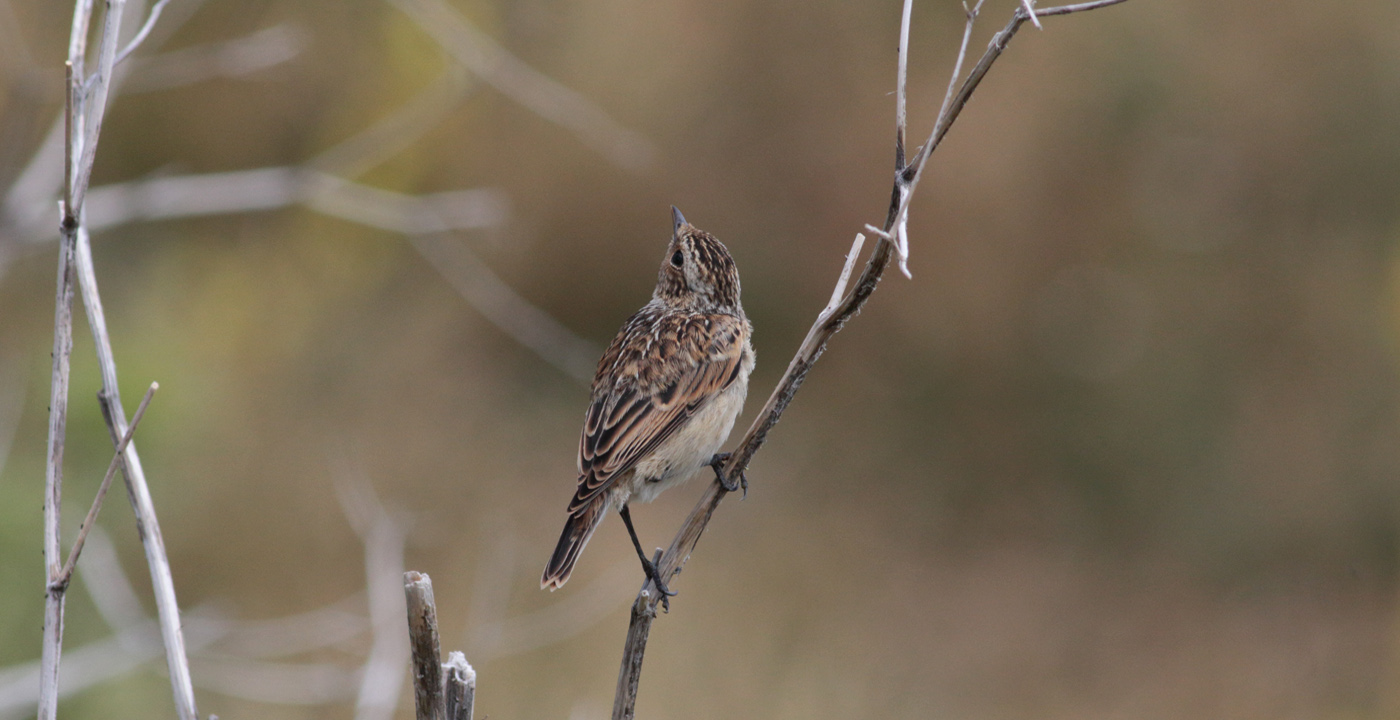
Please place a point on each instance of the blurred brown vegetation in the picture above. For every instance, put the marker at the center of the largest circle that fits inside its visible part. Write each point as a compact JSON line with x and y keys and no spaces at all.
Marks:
{"x":1125,"y":447}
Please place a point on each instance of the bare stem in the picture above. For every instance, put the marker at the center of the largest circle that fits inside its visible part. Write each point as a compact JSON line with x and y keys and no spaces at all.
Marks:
{"x":143,"y":33}
{"x":459,"y":686}
{"x":52,"y":648}
{"x":61,"y":582}
{"x":96,"y":108}
{"x":147,"y":525}
{"x":53,"y":477}
{"x":821,"y":332}
{"x":425,"y":646}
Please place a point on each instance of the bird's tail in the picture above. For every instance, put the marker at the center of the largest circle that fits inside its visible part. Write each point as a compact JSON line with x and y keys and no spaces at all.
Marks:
{"x":577,"y":531}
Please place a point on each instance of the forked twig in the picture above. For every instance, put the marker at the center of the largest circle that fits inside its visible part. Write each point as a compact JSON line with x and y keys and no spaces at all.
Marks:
{"x":828,"y":323}
{"x":66,"y":574}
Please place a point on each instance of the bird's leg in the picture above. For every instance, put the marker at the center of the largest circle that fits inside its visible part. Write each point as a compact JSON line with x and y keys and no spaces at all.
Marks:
{"x":647,"y":566}
{"x":717,"y":463}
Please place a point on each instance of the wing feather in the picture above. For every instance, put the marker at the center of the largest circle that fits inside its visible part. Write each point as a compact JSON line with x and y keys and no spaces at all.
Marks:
{"x":637,"y":405}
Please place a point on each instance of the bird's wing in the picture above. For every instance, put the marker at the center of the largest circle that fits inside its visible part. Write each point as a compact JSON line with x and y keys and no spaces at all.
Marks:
{"x":657,"y":374}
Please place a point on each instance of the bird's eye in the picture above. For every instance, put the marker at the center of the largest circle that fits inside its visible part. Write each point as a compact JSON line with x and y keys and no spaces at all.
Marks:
{"x":677,"y":259}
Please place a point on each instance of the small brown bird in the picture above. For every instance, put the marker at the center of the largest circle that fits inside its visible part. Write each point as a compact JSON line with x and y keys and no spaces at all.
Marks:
{"x":665,"y":396}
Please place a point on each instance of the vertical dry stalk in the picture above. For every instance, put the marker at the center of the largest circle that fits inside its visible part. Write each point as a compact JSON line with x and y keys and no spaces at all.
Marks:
{"x":85,"y":108}
{"x":441,"y":691}
{"x":52,"y":649}
{"x":892,"y":240}
{"x":426,"y":648}
{"x":53,"y":480}
{"x":147,"y":525}
{"x":460,"y":687}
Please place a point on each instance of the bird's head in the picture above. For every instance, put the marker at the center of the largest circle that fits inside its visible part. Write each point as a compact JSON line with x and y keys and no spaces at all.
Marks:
{"x":697,"y":272}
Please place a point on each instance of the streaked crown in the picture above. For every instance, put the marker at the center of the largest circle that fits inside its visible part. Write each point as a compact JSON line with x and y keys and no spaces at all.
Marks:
{"x":697,"y":273}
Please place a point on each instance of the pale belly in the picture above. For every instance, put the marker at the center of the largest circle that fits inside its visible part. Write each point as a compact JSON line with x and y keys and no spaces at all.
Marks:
{"x":689,"y":450}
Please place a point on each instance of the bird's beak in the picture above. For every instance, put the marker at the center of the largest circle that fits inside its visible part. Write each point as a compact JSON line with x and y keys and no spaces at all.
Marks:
{"x":678,"y":218}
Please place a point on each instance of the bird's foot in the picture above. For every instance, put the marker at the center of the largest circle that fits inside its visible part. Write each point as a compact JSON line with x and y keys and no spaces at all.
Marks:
{"x":717,"y":463}
{"x":655,"y":576}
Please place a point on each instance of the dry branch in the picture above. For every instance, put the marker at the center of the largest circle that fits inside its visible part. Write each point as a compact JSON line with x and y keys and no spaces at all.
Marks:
{"x":441,"y":691}
{"x":892,"y":239}
{"x":425,"y":647}
{"x":73,"y":182}
{"x":53,"y":479}
{"x":67,"y":573}
{"x":459,"y":686}
{"x":138,"y":491}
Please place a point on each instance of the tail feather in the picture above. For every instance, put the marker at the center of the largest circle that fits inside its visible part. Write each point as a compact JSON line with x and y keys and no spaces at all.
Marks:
{"x":577,"y":531}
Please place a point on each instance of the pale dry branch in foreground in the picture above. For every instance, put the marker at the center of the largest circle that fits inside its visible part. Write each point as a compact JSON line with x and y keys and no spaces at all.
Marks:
{"x":67,"y":573}
{"x":440,"y":690}
{"x":138,"y":491}
{"x":460,"y":681}
{"x":891,"y":241}
{"x":425,"y":646}
{"x":77,"y":167}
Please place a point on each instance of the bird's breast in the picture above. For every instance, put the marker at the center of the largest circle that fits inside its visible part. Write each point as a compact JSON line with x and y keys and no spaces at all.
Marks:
{"x":690,"y":449}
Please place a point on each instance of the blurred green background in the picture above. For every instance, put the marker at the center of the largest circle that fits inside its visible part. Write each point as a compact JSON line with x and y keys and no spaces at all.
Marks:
{"x":1125,"y":446}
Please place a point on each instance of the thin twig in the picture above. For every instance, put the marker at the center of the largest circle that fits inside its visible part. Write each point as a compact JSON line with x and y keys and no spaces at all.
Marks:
{"x":42,"y":178}
{"x":66,"y":211}
{"x":901,"y":118}
{"x":1079,"y":7}
{"x":840,"y":289}
{"x":78,"y":34}
{"x":972,"y":14}
{"x":914,"y":172}
{"x":54,"y":597}
{"x":138,"y":491}
{"x":1029,"y":7}
{"x":811,"y":349}
{"x":67,"y":573}
{"x":53,"y":477}
{"x":143,"y":33}
{"x":96,"y":107}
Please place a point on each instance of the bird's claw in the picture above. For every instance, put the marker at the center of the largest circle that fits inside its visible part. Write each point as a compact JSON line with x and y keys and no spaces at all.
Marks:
{"x":717,"y":464}
{"x":665,"y":592}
